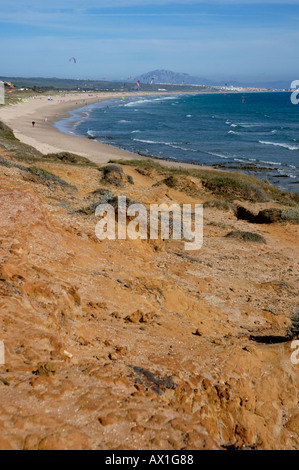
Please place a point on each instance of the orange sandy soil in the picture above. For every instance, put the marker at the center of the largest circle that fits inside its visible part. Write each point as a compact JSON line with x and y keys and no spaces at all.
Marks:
{"x":139,"y":344}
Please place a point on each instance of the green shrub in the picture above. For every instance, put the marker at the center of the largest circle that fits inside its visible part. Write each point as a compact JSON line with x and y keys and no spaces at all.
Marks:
{"x":6,"y":132}
{"x":70,"y":159}
{"x":220,"y":205}
{"x":47,"y":177}
{"x":235,"y":187}
{"x":290,"y":215}
{"x":231,"y":185}
{"x":246,"y":236}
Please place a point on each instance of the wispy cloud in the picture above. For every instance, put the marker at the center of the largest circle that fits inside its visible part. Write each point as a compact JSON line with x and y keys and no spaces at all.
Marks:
{"x":124,"y":37}
{"x":71,"y":4}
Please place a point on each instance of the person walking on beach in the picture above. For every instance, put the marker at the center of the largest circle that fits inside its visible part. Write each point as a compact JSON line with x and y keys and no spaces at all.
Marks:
{"x":33,"y":123}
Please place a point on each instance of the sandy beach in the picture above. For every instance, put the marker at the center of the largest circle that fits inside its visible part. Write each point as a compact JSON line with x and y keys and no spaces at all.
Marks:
{"x":48,"y":139}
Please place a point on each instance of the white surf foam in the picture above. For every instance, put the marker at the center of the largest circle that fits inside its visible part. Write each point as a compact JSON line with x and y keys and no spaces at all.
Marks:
{"x":277,"y":144}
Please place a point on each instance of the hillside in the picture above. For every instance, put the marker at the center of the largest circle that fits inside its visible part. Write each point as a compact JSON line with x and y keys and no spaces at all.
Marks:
{"x":175,"y":78}
{"x":169,"y":77}
{"x":125,"y":345}
{"x":44,"y":84}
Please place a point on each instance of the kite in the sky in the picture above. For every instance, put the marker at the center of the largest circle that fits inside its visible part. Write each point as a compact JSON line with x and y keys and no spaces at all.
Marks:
{"x":73,"y":58}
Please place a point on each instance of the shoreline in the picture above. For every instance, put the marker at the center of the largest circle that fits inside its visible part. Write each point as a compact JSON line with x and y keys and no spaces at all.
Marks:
{"x":20,"y":116}
{"x":45,"y":137}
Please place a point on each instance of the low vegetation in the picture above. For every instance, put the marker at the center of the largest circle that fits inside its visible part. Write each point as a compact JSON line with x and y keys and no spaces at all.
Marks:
{"x":47,"y":177}
{"x":290,"y":215}
{"x":220,"y":205}
{"x":6,"y":132}
{"x":246,"y":236}
{"x":229,"y":185}
{"x":69,"y":159}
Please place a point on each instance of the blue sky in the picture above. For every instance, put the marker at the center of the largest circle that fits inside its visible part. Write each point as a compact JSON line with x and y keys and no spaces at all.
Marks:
{"x":220,"y":40}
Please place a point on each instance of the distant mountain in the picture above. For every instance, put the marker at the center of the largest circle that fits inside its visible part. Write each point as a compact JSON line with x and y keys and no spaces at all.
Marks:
{"x":175,"y":78}
{"x":172,"y":81}
{"x":171,"y":78}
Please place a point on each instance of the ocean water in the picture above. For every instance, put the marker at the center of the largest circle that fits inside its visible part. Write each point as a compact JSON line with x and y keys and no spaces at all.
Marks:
{"x":257,"y":133}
